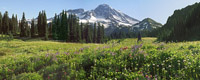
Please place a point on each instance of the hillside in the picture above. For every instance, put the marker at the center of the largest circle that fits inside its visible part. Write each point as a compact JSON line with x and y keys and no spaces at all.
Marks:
{"x":183,"y":25}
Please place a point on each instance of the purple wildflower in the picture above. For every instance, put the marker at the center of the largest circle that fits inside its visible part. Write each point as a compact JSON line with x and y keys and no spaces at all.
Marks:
{"x":47,"y":55}
{"x":57,"y":53}
{"x":66,"y":53}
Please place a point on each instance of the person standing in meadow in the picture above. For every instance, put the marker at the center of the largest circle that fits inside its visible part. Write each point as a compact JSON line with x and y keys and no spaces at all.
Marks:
{"x":139,"y":37}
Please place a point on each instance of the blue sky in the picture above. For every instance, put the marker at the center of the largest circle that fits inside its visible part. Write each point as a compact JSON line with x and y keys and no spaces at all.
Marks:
{"x":158,"y":10}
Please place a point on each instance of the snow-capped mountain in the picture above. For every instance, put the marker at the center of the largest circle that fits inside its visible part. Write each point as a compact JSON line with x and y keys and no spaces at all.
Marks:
{"x":105,"y":15}
{"x":146,"y":24}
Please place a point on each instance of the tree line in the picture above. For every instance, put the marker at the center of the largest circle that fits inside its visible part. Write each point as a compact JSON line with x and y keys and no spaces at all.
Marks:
{"x":68,"y":28}
{"x":65,"y":27}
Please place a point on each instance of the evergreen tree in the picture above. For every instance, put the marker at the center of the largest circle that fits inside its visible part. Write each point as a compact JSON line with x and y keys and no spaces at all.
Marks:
{"x":27,"y":30}
{"x":5,"y":23}
{"x":39,"y":25}
{"x":63,"y":27}
{"x":102,"y":34}
{"x":68,"y":31}
{"x":16,"y":25}
{"x":78,"y":31}
{"x":50,"y":29}
{"x":95,"y":34}
{"x":88,"y":33}
{"x":0,"y":23}
{"x":99,"y":33}
{"x":33,"y":30}
{"x":22,"y":26}
{"x":12,"y":25}
{"x":82,"y":31}
{"x":44,"y":25}
{"x":54,"y":28}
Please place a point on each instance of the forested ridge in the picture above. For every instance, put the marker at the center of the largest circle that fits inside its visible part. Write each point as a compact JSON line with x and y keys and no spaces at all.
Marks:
{"x":183,"y":25}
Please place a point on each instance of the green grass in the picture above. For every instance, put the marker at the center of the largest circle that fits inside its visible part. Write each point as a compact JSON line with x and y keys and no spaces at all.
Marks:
{"x":37,"y":59}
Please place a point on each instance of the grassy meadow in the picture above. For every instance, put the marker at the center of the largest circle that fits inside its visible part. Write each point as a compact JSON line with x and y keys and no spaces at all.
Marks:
{"x":117,"y":60}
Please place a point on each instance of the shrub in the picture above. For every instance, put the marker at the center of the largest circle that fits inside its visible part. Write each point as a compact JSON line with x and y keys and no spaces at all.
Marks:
{"x":28,"y":76}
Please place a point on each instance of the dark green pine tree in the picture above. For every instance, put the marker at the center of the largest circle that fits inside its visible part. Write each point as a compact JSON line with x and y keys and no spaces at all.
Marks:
{"x":22,"y":26}
{"x":68,"y":31}
{"x":16,"y":25}
{"x":54,"y":28}
{"x":10,"y":31}
{"x":88,"y":33}
{"x":39,"y":25}
{"x":71,"y":27}
{"x":63,"y":27}
{"x":0,"y":23}
{"x":82,"y":32}
{"x":102,"y":34}
{"x":74,"y":30}
{"x":50,"y":29}
{"x":27,"y":30}
{"x":12,"y":25}
{"x":5,"y":23}
{"x":99,"y":33}
{"x":45,"y":27}
{"x":33,"y":30}
{"x":78,"y":31}
{"x":59,"y":27}
{"x":95,"y":34}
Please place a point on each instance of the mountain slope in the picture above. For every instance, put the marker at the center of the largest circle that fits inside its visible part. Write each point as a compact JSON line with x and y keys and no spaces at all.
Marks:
{"x":146,"y":24}
{"x":105,"y":15}
{"x":183,"y":25}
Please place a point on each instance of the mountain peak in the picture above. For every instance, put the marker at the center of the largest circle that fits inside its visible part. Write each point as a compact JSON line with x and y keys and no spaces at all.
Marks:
{"x":103,"y":6}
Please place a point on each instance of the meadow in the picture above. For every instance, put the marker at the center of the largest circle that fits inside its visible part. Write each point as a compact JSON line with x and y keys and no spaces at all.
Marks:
{"x":117,"y":59}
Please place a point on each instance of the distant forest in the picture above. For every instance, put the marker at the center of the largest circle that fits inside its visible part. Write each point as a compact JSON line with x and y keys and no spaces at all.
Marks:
{"x":64,"y":27}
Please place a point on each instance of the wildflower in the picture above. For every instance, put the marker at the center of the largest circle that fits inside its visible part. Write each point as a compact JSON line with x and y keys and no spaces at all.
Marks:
{"x":57,"y":53}
{"x":48,"y":77}
{"x":66,"y":53}
{"x":47,"y":55}
{"x":150,"y":76}
{"x":170,"y":66}
{"x":189,"y":63}
{"x":147,"y":76}
{"x":81,"y":49}
{"x":163,"y":68}
{"x":125,"y":48}
{"x":153,"y":64}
